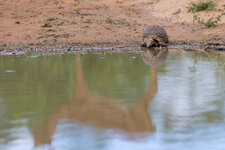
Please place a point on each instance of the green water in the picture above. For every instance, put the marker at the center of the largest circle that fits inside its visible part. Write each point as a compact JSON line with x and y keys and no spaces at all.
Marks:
{"x":112,"y":101}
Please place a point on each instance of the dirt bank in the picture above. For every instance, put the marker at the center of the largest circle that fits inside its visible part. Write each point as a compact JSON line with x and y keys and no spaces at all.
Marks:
{"x":101,"y":21}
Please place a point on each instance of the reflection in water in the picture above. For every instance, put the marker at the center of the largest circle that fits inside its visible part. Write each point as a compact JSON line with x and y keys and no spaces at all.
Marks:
{"x":155,"y":57}
{"x":38,"y":104}
{"x":104,"y":112}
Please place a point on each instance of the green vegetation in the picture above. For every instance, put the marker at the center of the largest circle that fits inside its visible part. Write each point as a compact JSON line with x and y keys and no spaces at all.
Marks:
{"x":205,"y":5}
{"x":201,"y":5}
{"x":76,"y":4}
{"x":109,"y":18}
{"x":206,"y":57}
{"x":59,"y":5}
{"x":211,"y":22}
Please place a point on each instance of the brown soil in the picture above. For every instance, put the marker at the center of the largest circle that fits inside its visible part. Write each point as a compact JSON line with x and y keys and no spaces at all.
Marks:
{"x":101,"y":21}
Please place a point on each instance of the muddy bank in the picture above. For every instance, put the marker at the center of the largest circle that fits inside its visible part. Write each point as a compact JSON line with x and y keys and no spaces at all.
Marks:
{"x":62,"y":48}
{"x":101,"y":23}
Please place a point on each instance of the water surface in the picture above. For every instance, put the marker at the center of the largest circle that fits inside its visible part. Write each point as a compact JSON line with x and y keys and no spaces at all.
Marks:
{"x":110,"y":101}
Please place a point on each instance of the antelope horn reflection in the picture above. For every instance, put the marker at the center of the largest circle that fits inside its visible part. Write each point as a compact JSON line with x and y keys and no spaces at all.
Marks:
{"x":103,"y":112}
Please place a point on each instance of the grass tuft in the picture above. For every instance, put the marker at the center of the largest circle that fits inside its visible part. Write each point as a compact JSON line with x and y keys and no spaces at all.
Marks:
{"x":201,"y":5}
{"x":206,"y":5}
{"x":109,"y":18}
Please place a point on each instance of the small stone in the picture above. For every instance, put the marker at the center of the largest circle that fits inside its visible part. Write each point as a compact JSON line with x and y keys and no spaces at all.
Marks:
{"x":17,"y":22}
{"x":176,"y":12}
{"x":220,"y":49}
{"x":46,"y":25}
{"x":190,"y":50}
{"x":68,"y":49}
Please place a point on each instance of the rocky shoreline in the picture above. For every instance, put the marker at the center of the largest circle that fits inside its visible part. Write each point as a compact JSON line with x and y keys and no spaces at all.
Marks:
{"x":22,"y":48}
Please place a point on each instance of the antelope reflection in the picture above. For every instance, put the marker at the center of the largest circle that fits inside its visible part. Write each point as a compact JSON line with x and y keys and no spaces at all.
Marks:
{"x":104,"y":112}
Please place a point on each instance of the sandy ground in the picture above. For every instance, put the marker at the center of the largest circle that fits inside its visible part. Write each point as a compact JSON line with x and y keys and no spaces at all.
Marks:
{"x":101,"y":21}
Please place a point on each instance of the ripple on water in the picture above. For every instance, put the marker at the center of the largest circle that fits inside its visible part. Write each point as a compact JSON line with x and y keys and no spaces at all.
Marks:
{"x":9,"y":71}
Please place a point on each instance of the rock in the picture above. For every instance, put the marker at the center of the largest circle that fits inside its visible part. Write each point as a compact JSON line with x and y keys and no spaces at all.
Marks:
{"x":176,"y":12}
